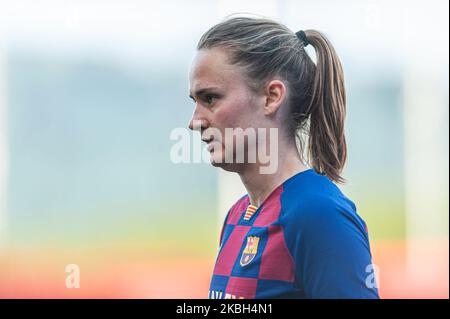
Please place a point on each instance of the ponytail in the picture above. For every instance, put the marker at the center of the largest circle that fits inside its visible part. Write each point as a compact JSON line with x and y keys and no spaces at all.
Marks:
{"x":327,"y":149}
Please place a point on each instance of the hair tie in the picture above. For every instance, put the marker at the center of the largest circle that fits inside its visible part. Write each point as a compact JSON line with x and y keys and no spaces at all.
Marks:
{"x":302,"y":36}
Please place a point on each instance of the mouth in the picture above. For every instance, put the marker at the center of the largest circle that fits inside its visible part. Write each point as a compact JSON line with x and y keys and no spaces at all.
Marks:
{"x":207,"y":141}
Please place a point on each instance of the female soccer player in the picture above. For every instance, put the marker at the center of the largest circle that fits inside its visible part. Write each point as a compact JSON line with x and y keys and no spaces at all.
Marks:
{"x":295,"y":234}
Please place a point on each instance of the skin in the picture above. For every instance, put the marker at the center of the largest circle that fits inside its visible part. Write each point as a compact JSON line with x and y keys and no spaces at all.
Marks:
{"x":231,"y":104}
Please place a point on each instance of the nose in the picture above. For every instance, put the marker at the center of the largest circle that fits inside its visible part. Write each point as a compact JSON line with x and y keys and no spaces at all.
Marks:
{"x":198,"y":122}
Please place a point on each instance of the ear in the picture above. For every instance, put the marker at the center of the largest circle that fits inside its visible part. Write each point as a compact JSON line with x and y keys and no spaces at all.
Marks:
{"x":275,"y":94}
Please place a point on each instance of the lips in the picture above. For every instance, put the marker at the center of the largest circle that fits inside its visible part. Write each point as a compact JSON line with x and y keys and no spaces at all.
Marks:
{"x":207,"y":141}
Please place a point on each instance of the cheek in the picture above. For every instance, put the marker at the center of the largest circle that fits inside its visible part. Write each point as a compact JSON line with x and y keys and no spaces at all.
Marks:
{"x":236,"y":112}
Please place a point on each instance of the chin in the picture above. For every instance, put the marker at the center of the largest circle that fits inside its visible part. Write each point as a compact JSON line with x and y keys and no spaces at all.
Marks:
{"x":229,"y":167}
{"x":224,"y":166}
{"x":217,"y":162}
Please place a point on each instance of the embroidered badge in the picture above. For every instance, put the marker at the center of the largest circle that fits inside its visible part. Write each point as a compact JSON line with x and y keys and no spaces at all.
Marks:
{"x":250,"y":250}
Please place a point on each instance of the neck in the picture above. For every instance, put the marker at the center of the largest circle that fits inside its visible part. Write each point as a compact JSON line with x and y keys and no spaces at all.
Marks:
{"x":260,"y":186}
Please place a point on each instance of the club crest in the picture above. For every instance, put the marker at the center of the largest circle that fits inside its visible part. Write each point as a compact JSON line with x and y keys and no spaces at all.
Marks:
{"x":250,"y":250}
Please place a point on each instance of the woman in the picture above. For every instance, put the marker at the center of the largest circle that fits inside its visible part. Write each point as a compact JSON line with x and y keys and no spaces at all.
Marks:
{"x":295,"y":234}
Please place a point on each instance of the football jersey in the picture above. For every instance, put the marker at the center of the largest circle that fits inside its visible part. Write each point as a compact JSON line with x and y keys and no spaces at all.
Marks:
{"x":304,"y":241}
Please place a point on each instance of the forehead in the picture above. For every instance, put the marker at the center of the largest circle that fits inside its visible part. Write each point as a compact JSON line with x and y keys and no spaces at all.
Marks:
{"x":210,"y":67}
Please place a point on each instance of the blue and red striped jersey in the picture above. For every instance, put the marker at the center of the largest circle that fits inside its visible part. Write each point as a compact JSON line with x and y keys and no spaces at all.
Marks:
{"x":305,"y":241}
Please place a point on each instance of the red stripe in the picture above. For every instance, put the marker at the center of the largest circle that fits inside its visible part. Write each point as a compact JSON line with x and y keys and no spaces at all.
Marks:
{"x":270,"y":210}
{"x":229,"y":252}
{"x":239,"y":287}
{"x":276,"y":262}
{"x":237,"y":210}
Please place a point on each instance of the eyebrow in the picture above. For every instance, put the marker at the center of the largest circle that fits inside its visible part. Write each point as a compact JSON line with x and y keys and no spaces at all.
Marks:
{"x":202,"y":91}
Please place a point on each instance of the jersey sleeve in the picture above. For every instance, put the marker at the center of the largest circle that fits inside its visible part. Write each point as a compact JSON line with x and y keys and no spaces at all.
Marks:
{"x":330,"y":248}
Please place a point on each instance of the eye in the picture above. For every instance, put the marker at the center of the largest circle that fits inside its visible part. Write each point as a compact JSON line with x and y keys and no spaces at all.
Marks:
{"x":210,"y":98}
